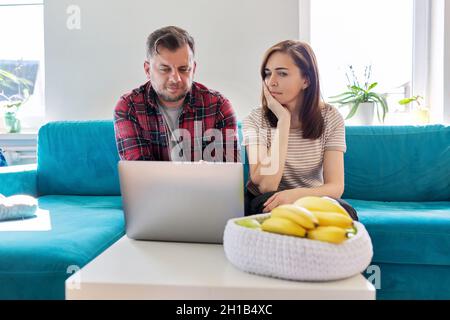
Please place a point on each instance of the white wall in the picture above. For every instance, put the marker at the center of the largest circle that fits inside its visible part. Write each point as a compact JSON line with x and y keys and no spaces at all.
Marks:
{"x":87,"y":70}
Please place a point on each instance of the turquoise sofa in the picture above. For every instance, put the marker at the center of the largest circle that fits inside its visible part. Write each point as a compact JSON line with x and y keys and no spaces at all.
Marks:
{"x":398,"y":179}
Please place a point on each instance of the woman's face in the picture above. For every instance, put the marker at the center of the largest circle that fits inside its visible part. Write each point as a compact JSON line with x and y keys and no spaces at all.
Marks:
{"x":284,"y":79}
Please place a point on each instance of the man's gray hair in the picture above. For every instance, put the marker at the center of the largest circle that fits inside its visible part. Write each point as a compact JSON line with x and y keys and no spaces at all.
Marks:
{"x":171,"y":38}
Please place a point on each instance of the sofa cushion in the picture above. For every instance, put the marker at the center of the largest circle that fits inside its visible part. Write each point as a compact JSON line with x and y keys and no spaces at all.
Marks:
{"x":39,"y":262}
{"x":407,"y":232}
{"x":398,"y":163}
{"x":18,"y":180}
{"x":77,"y":158}
{"x":412,"y":282}
{"x":381,"y":163}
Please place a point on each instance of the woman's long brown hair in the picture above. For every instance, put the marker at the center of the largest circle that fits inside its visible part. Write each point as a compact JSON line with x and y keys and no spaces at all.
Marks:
{"x":310,"y":115}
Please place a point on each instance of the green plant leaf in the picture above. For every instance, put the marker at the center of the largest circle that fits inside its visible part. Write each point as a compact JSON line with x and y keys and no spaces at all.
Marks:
{"x":385,"y":107}
{"x":353,"y":110}
{"x":7,"y":75}
{"x":7,"y":79}
{"x":380,"y":100}
{"x":346,"y":101}
{"x":411,"y":99}
{"x":356,"y":89}
{"x":378,"y":113}
{"x":13,"y":104}
{"x":342,"y":99}
{"x":345,"y":104}
{"x":373,"y":85}
{"x":342,"y":95}
{"x":406,"y":101}
{"x":366,"y":97}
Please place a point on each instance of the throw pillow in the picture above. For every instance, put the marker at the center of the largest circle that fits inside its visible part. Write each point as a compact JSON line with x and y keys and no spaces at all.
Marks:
{"x":17,"y":207}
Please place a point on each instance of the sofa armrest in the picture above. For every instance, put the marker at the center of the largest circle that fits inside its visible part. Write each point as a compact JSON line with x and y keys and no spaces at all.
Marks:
{"x":18,"y":180}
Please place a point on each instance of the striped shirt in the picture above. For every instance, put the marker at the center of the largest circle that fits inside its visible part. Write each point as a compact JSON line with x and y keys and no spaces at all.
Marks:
{"x":304,"y":160}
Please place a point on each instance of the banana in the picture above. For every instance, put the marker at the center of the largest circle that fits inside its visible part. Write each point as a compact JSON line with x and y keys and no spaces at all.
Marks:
{"x":333,"y":219}
{"x":296,"y":214}
{"x":329,"y":234}
{"x":321,"y":204}
{"x":249,"y":223}
{"x":283,"y":226}
{"x":352,"y":231}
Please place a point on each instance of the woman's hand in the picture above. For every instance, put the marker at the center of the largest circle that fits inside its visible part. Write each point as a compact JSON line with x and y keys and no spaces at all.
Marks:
{"x":276,"y":107}
{"x":279,"y":198}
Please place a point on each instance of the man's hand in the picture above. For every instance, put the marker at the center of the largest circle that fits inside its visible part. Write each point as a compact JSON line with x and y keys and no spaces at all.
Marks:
{"x":279,"y":198}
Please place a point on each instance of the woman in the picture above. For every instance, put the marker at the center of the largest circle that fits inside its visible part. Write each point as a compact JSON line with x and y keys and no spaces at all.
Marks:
{"x":295,"y":142}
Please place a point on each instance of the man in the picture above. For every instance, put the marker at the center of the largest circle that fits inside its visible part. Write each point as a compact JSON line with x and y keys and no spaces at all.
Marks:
{"x":171,"y":117}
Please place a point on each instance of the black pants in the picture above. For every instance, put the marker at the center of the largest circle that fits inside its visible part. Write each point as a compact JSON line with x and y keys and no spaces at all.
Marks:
{"x":254,"y":204}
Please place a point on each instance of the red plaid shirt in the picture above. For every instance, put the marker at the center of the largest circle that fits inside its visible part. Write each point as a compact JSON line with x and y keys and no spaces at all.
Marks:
{"x":142,"y":134}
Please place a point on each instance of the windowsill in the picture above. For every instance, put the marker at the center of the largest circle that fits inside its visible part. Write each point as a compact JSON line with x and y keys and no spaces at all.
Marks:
{"x":19,"y":148}
{"x":26,"y":135}
{"x":394,"y":119}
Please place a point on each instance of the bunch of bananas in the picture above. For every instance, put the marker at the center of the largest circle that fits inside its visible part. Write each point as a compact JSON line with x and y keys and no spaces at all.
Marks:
{"x":317,"y":218}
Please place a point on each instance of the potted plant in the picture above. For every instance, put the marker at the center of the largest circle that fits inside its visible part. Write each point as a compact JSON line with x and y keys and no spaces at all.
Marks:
{"x":361,"y":99}
{"x":11,"y":103}
{"x":421,"y":114}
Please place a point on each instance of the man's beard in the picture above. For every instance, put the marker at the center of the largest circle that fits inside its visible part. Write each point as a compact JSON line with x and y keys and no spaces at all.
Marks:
{"x":168,"y":98}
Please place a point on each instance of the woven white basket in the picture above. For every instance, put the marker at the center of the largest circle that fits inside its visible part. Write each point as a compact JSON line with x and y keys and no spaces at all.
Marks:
{"x":295,"y":258}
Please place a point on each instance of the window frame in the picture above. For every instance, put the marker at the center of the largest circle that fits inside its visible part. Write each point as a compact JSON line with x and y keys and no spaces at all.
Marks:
{"x":421,"y":40}
{"x":421,"y":43}
{"x":31,"y":123}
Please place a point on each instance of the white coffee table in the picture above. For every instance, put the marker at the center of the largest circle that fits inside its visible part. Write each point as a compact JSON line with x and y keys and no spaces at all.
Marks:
{"x":132,"y":269}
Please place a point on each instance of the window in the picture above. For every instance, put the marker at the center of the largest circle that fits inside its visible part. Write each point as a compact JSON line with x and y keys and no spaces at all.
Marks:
{"x":362,"y":33}
{"x":22,"y":52}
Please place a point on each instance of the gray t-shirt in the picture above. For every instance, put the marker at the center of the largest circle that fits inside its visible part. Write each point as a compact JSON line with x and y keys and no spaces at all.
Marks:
{"x":171,"y":116}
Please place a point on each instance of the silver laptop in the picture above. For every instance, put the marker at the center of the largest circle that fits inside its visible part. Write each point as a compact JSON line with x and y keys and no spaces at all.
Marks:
{"x":180,"y":201}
